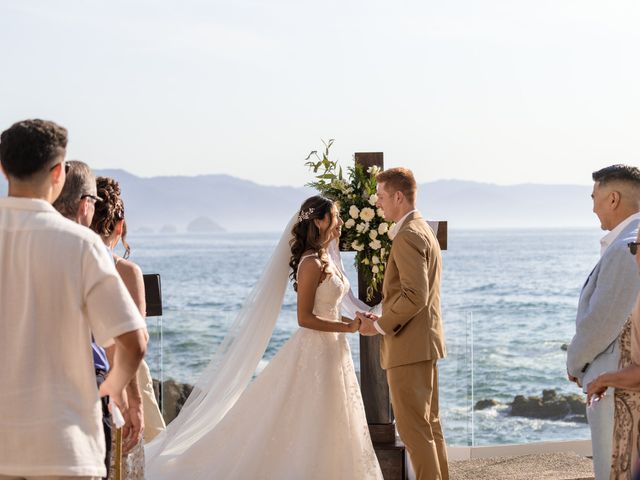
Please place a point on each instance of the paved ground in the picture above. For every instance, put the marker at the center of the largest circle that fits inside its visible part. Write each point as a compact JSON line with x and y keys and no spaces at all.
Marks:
{"x":550,"y":466}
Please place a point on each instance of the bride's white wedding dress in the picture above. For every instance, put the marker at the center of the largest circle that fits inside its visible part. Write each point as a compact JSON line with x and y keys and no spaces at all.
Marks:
{"x":301,"y":418}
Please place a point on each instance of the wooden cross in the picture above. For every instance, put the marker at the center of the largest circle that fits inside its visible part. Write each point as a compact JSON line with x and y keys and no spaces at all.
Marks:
{"x":373,"y":380}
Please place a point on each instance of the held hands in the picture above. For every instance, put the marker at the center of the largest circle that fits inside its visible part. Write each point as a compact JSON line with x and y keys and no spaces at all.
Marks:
{"x":596,"y":390}
{"x":367,"y":318}
{"x":353,"y":326}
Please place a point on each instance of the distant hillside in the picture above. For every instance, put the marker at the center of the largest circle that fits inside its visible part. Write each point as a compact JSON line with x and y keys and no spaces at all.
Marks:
{"x":240,"y":205}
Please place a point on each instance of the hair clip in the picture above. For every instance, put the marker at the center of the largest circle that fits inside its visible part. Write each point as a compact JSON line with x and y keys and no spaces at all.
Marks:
{"x":305,"y":214}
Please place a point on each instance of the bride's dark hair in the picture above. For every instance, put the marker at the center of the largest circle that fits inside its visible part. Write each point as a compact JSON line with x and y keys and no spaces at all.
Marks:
{"x":307,"y":236}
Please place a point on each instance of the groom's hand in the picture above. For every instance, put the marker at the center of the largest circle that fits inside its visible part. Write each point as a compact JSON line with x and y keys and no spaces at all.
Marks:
{"x":367,"y":328}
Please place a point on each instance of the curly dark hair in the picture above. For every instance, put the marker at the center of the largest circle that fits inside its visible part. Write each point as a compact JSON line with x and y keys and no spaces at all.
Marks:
{"x":110,"y":210}
{"x":29,"y":146}
{"x":307,"y":236}
{"x":620,"y":172}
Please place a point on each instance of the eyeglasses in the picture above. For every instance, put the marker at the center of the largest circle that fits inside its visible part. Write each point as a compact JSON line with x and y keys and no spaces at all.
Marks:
{"x":633,"y":247}
{"x":66,"y":166}
{"x":92,"y":197}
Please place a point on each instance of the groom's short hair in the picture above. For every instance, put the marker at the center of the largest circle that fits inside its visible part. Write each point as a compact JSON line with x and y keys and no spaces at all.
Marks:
{"x":399,"y":179}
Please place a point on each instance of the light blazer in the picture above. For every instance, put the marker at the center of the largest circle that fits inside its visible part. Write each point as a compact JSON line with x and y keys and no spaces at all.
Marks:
{"x":411,"y":317}
{"x":606,"y":301}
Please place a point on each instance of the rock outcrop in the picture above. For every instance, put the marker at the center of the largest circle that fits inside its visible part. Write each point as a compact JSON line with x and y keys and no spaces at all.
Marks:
{"x":171,"y":395}
{"x":550,"y":406}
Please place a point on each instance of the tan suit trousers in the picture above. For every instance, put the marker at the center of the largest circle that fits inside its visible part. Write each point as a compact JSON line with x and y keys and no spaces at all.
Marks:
{"x":414,"y":397}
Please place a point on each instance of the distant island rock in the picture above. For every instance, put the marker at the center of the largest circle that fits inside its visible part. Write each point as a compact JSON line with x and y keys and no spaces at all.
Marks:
{"x":204,"y":225}
{"x":169,"y":229}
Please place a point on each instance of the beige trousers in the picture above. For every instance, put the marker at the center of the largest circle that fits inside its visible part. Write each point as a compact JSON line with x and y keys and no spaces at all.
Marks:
{"x":414,"y":398}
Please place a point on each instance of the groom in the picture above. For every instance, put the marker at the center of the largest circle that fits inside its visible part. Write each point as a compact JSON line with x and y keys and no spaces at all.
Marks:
{"x":411,"y":325}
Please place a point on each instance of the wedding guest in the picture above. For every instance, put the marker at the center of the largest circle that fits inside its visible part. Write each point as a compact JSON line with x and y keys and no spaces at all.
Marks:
{"x":57,"y":287}
{"x":626,"y":384}
{"x":606,"y":300}
{"x":77,"y":202}
{"x":109,"y":223}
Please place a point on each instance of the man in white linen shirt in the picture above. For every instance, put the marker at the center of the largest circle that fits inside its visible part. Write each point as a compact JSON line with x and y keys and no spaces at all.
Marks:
{"x":606,"y":301}
{"x":57,"y":286}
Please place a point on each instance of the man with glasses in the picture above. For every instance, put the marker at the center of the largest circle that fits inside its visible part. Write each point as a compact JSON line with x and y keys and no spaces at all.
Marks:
{"x":58,"y":285}
{"x":77,"y":202}
{"x":606,"y":300}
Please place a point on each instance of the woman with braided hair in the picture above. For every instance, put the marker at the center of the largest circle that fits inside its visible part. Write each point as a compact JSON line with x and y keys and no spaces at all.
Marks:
{"x":302,"y":417}
{"x":109,"y":222}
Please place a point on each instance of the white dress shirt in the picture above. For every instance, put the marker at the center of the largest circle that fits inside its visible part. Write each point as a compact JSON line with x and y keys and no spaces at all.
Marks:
{"x":58,"y":285}
{"x":610,"y":237}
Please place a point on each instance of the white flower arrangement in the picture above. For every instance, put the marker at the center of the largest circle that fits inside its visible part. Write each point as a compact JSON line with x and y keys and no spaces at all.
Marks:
{"x":365,"y":229}
{"x":367,"y":214}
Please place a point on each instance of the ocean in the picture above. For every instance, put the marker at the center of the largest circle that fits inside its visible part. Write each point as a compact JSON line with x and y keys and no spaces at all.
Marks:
{"x":509,"y":300}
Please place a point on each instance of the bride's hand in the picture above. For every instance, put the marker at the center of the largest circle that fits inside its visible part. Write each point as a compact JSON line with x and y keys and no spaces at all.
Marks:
{"x":353,"y":326}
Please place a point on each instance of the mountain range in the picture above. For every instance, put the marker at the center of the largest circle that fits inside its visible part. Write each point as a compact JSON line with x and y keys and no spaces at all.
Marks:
{"x":171,"y":203}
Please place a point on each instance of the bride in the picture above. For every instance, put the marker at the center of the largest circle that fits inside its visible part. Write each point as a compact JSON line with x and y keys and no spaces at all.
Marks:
{"x":303,"y":416}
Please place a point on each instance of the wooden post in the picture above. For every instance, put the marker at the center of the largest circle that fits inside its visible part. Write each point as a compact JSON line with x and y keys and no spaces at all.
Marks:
{"x":373,"y":379}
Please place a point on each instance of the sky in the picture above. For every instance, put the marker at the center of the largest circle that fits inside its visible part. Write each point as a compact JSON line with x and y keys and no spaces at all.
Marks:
{"x":498,"y":91}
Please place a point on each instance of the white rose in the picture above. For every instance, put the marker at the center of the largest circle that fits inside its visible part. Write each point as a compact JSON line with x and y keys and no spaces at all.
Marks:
{"x":349,"y":223}
{"x":383,"y":252}
{"x":360,"y":227}
{"x":375,"y":260}
{"x":354,"y":212}
{"x":367,"y":214}
{"x":373,"y":199}
{"x":382,"y":228}
{"x":375,"y":269}
{"x":357,"y":246}
{"x":373,"y":234}
{"x":375,"y":244}
{"x":380,"y":213}
{"x":373,"y":170}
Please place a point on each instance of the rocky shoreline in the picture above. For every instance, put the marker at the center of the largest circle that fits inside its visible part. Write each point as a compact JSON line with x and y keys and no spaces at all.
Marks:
{"x":550,"y":406}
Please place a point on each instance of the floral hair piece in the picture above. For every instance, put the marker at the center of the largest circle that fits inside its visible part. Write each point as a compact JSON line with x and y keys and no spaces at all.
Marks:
{"x":305,"y":214}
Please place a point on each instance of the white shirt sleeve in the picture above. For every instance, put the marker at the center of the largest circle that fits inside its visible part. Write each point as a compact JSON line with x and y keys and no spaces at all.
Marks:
{"x":379,"y":328}
{"x":109,"y":306}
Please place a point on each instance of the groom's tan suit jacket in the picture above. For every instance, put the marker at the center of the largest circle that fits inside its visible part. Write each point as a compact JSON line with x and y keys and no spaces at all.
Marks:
{"x":411,"y":317}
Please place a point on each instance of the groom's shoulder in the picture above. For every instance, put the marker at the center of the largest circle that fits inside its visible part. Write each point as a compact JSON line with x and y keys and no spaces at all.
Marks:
{"x":415,"y":233}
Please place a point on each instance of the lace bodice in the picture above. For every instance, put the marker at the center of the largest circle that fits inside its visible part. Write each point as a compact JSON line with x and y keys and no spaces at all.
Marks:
{"x":329,"y":293}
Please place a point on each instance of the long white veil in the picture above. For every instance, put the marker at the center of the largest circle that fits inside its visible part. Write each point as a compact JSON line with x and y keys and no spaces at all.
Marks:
{"x":235,"y":361}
